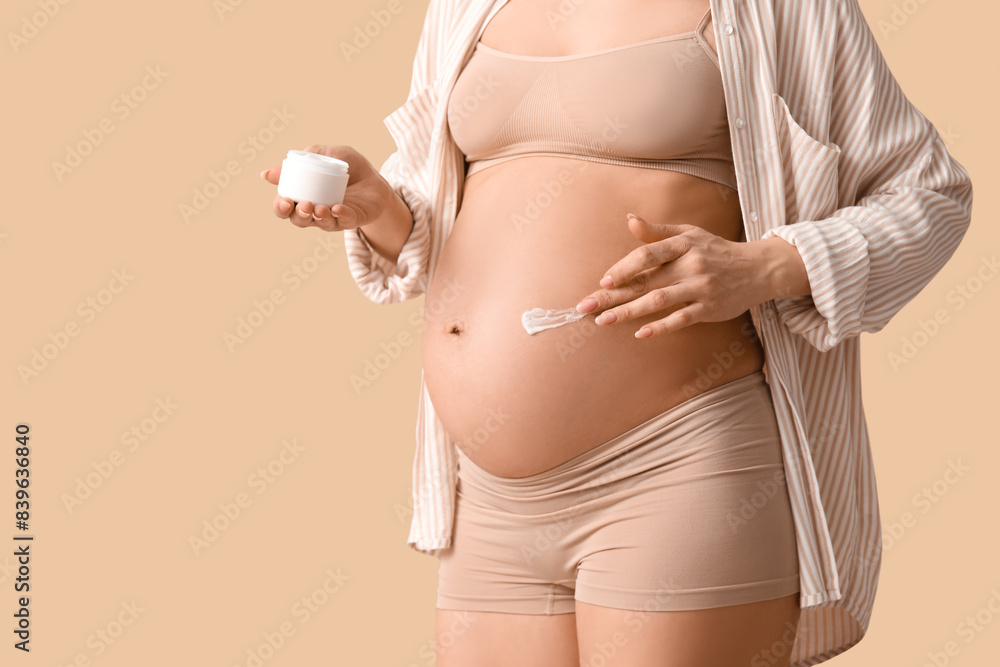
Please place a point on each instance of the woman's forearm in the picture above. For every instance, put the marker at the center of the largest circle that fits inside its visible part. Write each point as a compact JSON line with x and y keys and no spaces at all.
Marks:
{"x":388,"y":233}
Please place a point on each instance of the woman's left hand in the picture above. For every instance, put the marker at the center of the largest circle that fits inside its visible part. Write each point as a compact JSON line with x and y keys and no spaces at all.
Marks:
{"x":711,"y":278}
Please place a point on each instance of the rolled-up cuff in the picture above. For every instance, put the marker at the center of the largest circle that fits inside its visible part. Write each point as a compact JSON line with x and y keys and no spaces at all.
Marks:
{"x":835,"y":255}
{"x":383,"y":281}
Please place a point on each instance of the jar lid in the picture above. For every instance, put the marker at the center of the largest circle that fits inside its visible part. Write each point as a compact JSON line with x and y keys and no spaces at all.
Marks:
{"x":324,"y":163}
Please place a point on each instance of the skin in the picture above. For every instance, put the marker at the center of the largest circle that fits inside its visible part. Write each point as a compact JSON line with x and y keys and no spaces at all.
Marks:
{"x":689,"y":272}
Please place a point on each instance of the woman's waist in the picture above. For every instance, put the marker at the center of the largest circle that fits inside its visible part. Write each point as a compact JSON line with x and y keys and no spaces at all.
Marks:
{"x":534,"y":192}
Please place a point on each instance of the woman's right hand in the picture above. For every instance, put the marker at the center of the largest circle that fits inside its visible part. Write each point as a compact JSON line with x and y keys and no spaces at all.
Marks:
{"x":366,"y":198}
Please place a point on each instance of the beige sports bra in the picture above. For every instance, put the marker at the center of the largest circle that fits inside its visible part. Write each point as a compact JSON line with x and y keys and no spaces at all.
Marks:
{"x":657,"y":104}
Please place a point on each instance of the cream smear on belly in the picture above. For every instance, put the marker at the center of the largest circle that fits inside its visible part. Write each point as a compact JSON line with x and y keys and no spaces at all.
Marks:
{"x":539,"y":319}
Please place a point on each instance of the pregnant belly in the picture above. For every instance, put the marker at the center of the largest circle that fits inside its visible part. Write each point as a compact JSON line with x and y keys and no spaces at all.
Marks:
{"x":541,"y":232}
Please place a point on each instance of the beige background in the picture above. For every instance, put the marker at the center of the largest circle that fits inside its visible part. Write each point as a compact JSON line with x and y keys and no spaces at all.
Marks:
{"x":341,"y":502}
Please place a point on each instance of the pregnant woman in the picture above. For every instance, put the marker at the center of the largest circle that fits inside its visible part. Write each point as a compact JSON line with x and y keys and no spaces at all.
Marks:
{"x":592,"y":197}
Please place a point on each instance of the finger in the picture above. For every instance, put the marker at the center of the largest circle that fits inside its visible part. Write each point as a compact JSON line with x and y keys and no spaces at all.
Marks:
{"x":283,"y":207}
{"x":654,"y":301}
{"x":648,"y":232}
{"x":344,"y":217}
{"x":324,"y":213}
{"x":304,"y":213}
{"x":271,"y":175}
{"x":299,"y":220}
{"x":645,"y":257}
{"x":676,"y":320}
{"x":642,"y":282}
{"x":324,"y":218}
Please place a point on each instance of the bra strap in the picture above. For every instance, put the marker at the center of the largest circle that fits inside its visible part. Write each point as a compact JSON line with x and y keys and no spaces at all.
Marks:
{"x":704,"y":21}
{"x":699,"y":34}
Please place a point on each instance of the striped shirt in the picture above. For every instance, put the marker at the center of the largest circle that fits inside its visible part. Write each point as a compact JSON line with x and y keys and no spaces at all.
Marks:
{"x":830,"y":156}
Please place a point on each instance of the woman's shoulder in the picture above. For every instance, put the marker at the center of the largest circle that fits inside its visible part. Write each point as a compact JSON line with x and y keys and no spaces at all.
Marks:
{"x":457,"y":7}
{"x":445,"y":15}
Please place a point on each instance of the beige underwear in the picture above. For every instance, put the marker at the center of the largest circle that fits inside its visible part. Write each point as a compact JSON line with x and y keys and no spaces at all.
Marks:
{"x":688,"y":510}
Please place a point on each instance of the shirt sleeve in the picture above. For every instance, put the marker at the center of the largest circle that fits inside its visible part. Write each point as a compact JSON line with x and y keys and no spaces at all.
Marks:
{"x":408,"y":172}
{"x":912,"y":203}
{"x":380,"y":280}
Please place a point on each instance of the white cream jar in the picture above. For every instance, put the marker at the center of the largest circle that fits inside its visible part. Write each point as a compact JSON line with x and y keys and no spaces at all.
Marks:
{"x":312,"y":177}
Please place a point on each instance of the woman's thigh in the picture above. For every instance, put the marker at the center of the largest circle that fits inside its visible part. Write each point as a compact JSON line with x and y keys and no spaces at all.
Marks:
{"x":756,"y":634}
{"x":497,"y":639}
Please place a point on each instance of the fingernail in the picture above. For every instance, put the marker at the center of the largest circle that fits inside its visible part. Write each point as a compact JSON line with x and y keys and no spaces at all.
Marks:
{"x":285,"y":207}
{"x":264,"y":172}
{"x":631,"y":215}
{"x":606,"y":281}
{"x":586,"y":305}
{"x":607,"y":317}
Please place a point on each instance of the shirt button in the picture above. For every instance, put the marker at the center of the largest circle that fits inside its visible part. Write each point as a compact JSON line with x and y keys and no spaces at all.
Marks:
{"x":740,"y":123}
{"x":769,"y":312}
{"x":753,"y":216}
{"x":728,"y":29}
